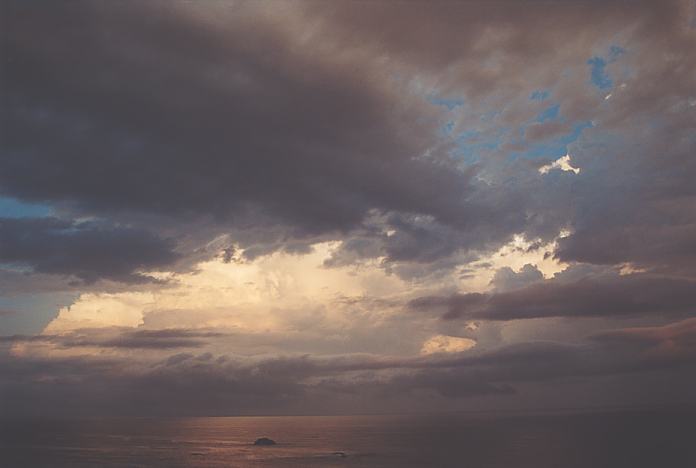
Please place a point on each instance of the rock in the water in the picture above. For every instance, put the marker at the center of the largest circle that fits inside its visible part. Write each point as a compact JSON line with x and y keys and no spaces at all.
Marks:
{"x":264,"y":441}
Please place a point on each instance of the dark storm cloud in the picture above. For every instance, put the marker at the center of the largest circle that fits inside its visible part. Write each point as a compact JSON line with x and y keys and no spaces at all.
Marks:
{"x":413,"y":246}
{"x":86,"y":250}
{"x":141,"y":108}
{"x":601,"y":296}
{"x":242,"y":114}
{"x":674,"y":340}
{"x":121,"y":338}
{"x":404,"y":238}
{"x":187,"y":383}
{"x":637,"y":194}
{"x":633,"y":201}
{"x":545,"y":130}
{"x":491,"y":46}
{"x":422,"y":240}
{"x":506,"y":279}
{"x":659,"y":247}
{"x":145,"y":339}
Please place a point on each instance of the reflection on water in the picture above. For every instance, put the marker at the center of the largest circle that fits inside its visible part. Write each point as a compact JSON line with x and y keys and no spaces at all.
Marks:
{"x":614,"y":439}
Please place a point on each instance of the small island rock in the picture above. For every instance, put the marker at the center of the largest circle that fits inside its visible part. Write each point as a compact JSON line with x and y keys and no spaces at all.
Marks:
{"x":264,"y":441}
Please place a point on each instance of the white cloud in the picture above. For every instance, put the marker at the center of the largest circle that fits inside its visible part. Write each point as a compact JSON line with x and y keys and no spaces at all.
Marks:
{"x":562,"y":163}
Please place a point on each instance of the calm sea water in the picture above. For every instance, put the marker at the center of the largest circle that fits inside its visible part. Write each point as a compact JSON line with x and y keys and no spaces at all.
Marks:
{"x":663,"y":439}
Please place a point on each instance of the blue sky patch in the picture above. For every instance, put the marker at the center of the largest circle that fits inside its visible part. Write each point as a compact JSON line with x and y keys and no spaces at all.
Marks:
{"x":472,"y":145}
{"x":449,"y":103}
{"x":539,"y":95}
{"x":615,"y":52}
{"x":448,"y":128}
{"x":550,"y":113}
{"x":553,"y":148}
{"x":29,"y":314}
{"x":13,"y":208}
{"x":598,"y":74}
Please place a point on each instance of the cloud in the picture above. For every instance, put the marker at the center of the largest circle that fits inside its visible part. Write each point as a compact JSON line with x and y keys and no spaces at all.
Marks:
{"x":506,"y":279}
{"x":220,"y":120}
{"x":643,"y":243}
{"x":607,"y":296}
{"x":252,"y":145}
{"x":544,"y":130}
{"x":562,"y":163}
{"x":446,"y":344}
{"x":188,"y":383}
{"x":87,"y":250}
{"x":216,"y":119}
{"x":675,"y":340}
{"x":124,"y":338}
{"x":302,"y":172}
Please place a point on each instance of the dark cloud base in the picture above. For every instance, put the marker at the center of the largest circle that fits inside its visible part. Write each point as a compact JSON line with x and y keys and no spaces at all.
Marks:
{"x":609,"y":296}
{"x":87,"y":250}
{"x":193,"y":384}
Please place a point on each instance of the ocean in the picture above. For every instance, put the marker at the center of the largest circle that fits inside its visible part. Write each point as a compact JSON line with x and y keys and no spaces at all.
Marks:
{"x":616,"y":439}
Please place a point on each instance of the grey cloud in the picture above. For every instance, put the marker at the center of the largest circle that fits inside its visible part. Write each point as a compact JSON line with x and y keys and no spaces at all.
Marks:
{"x":154,"y":111}
{"x":674,"y":340}
{"x":177,"y":359}
{"x":637,"y":194}
{"x":86,"y":250}
{"x":505,"y":279}
{"x":191,"y":384}
{"x":198,"y":124}
{"x":421,"y":240}
{"x":542,"y":131}
{"x":194,"y":114}
{"x":149,"y":112}
{"x":606,"y":296}
{"x":16,"y":282}
{"x":462,"y":36}
{"x":447,"y":383}
{"x":653,"y":245}
{"x":414,"y":246}
{"x":122,"y":338}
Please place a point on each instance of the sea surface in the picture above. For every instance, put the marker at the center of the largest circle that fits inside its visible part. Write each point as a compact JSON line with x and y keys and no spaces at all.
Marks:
{"x":617,"y":439}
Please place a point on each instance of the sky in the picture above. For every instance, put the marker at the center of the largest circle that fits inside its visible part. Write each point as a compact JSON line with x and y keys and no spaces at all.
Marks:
{"x":310,"y":207}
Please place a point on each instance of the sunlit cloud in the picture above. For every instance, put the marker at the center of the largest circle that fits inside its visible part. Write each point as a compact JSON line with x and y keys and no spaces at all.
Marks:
{"x":447,"y":344}
{"x":562,"y":163}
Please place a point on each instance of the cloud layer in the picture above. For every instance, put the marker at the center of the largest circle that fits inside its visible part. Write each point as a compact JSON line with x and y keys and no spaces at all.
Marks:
{"x":321,"y":208}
